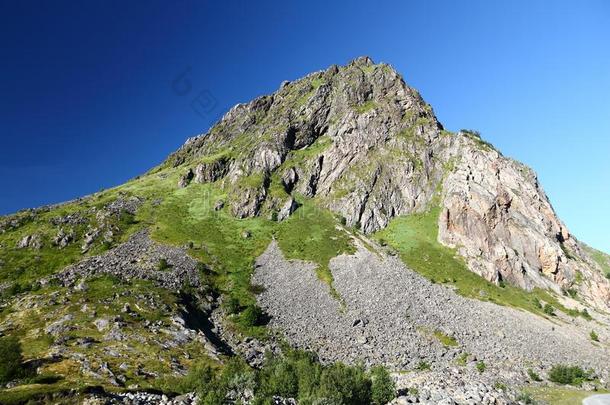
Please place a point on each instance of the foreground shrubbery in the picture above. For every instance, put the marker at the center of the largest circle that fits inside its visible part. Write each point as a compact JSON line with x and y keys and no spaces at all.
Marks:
{"x":10,"y":359}
{"x":296,"y":375}
{"x":572,"y":375}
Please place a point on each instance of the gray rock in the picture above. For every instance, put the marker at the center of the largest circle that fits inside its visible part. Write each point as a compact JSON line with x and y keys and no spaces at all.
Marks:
{"x":30,"y":241}
{"x":287,"y":209}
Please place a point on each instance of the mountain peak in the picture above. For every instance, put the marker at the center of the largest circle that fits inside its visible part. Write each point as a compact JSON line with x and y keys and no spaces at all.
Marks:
{"x":367,"y":146}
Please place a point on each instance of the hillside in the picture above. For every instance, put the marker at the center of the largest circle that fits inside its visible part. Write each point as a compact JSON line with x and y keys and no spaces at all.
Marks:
{"x":339,"y":205}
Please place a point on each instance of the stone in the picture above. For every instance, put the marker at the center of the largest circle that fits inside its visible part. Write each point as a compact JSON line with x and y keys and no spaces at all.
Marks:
{"x":186,"y":178}
{"x":287,"y":209}
{"x":30,"y":241}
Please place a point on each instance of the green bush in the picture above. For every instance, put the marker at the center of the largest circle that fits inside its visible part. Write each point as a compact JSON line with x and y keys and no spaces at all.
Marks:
{"x":462,"y":359}
{"x":533,"y":375}
{"x":212,"y":384}
{"x":231,"y":305}
{"x":481,"y":366}
{"x":299,"y":371}
{"x":11,"y":359}
{"x":423,"y":366}
{"x":525,"y":398}
{"x":572,"y":375}
{"x":594,"y":336}
{"x":537,"y":303}
{"x":163,"y":265}
{"x":549,"y":309}
{"x":296,"y":374}
{"x":343,"y":384}
{"x":281,"y":379}
{"x":383,"y":388}
{"x":500,"y":386}
{"x":299,"y":375}
{"x":252,"y":316}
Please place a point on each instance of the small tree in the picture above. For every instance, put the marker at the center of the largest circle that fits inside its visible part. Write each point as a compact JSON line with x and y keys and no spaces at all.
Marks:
{"x":163,"y":264}
{"x":549,"y":309}
{"x":231,"y":304}
{"x":11,"y":358}
{"x":253,"y":316}
{"x":383,"y":388}
{"x":572,"y":375}
{"x":343,"y":384}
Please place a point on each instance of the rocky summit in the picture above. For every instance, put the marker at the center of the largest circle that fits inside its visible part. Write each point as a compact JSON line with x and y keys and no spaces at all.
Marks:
{"x":328,"y":243}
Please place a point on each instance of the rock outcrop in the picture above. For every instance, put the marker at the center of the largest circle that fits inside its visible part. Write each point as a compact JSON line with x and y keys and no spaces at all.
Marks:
{"x":369,"y":148}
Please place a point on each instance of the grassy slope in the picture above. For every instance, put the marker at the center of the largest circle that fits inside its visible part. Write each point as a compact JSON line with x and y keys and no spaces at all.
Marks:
{"x":602,"y":259}
{"x":559,"y":395}
{"x":415,"y":238}
{"x":186,"y":217}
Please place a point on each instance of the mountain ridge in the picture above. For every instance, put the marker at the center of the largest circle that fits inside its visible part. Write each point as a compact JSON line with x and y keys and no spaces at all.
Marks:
{"x":368,"y":107}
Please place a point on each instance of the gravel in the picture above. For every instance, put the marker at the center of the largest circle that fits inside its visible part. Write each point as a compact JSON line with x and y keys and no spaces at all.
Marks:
{"x":389,"y":314}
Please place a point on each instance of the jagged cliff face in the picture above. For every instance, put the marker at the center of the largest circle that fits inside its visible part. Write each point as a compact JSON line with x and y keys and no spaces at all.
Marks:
{"x":367,"y":146}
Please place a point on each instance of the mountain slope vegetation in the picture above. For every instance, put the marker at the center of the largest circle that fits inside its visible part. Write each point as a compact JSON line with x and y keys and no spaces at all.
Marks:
{"x":142,"y":285}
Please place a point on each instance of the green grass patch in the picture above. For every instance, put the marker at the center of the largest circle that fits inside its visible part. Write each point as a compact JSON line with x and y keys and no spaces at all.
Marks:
{"x":415,"y":237}
{"x":462,"y":359}
{"x":35,"y":394}
{"x":445,"y":340}
{"x":311,"y":234}
{"x":559,"y":395}
{"x":366,"y":106}
{"x":602,"y":259}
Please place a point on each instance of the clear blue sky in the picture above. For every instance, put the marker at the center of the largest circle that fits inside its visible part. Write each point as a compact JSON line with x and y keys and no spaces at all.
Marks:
{"x":87,"y":99}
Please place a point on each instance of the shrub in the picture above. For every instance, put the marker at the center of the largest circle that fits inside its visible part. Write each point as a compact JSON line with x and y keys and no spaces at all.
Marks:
{"x":383,"y":387}
{"x":282,"y":379}
{"x":11,"y":358}
{"x":571,"y":292}
{"x":231,"y":305}
{"x":199,"y":378}
{"x":423,"y":366}
{"x":549,"y":309}
{"x":297,"y":373}
{"x":256,"y":289}
{"x":594,"y":336}
{"x":585,"y":314}
{"x":533,"y":375}
{"x":500,"y":386}
{"x":163,"y":264}
{"x":44,"y":379}
{"x":462,"y":360}
{"x":474,"y":133}
{"x":342,"y":384}
{"x":481,"y":366}
{"x":253,"y":316}
{"x":572,"y":375}
{"x":525,"y":398}
{"x":236,"y":378}
{"x":537,"y":303}
{"x":17,"y":288}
